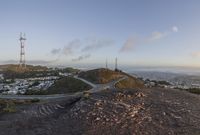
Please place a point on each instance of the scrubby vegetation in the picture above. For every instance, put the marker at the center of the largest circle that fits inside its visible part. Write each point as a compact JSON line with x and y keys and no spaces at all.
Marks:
{"x":86,"y":95}
{"x":35,"y":100}
{"x":130,"y":83}
{"x":158,"y":83}
{"x":194,"y":90}
{"x":69,"y":70}
{"x":191,"y":90}
{"x":15,"y":68}
{"x":10,"y":106}
{"x":13,"y":71}
{"x":28,"y":74}
{"x":100,"y":76}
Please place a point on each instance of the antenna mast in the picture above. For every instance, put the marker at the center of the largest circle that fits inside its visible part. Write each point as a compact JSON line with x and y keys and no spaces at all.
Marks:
{"x":116,"y":64}
{"x":106,"y":64}
{"x":22,"y":62}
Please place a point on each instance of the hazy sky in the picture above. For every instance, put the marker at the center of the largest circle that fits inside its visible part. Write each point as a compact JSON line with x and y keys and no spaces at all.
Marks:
{"x":71,"y":32}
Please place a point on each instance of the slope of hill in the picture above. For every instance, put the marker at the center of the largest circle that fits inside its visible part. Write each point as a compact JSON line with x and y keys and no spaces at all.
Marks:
{"x":100,"y":76}
{"x":64,"y":85}
{"x":15,"y":68}
{"x":120,"y":111}
{"x":130,"y":83}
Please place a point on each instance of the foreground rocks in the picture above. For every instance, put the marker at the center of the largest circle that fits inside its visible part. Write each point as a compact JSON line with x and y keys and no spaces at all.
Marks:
{"x":121,"y":112}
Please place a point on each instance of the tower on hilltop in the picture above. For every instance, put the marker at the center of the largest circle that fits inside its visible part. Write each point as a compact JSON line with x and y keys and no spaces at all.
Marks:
{"x":22,"y":61}
{"x":116,"y":68}
{"x":106,"y":64}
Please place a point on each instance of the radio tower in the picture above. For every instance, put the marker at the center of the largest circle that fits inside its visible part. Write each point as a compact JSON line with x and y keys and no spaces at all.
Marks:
{"x":116,"y":68}
{"x":22,"y":62}
{"x":106,"y":64}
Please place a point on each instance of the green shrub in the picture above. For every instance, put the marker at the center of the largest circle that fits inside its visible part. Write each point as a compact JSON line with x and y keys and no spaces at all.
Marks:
{"x":35,"y":100}
{"x":10,"y":108}
{"x":194,"y":90}
{"x":86,"y":95}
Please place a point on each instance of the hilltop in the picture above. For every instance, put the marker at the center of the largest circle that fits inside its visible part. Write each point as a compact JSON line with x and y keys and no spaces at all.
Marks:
{"x":102,"y":76}
{"x":15,"y":68}
{"x":128,"y":108}
{"x":13,"y":71}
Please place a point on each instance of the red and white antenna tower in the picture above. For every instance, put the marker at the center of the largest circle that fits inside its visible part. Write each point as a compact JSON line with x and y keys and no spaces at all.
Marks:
{"x":22,"y":62}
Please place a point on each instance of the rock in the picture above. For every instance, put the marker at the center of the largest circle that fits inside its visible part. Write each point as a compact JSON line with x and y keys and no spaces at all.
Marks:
{"x":140,"y":94}
{"x":164,"y":113}
{"x":97,"y":118}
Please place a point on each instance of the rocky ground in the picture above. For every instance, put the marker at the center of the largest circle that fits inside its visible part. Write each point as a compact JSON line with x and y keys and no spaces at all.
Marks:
{"x":109,"y":112}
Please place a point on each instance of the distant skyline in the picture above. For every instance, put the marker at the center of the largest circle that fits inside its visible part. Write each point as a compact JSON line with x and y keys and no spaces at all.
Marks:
{"x":149,"y":33}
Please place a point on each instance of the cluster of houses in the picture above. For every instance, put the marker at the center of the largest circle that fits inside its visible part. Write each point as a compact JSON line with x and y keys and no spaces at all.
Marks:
{"x":19,"y":86}
{"x":171,"y":84}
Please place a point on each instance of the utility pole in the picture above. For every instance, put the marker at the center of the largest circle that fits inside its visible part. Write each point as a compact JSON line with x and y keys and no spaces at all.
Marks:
{"x":22,"y":62}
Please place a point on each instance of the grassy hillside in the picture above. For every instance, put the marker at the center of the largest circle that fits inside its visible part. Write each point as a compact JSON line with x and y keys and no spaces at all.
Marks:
{"x":130,"y":83}
{"x":15,"y":68}
{"x":62,"y":86}
{"x":100,"y":76}
{"x":12,"y":71}
{"x":68,"y":85}
{"x":70,"y":70}
{"x":10,"y":105}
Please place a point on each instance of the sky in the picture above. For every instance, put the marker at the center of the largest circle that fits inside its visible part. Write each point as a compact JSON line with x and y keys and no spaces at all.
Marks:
{"x":160,"y":33}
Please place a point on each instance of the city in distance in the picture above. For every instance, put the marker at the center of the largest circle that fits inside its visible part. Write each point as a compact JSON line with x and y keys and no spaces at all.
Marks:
{"x":99,"y":67}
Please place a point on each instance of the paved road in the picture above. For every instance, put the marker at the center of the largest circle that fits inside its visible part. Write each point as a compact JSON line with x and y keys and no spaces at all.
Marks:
{"x":99,"y":87}
{"x":41,"y":97}
{"x":95,"y":88}
{"x":89,"y":83}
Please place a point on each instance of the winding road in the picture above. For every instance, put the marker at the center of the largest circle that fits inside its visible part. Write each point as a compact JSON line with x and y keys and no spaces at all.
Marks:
{"x":95,"y":88}
{"x":99,"y":87}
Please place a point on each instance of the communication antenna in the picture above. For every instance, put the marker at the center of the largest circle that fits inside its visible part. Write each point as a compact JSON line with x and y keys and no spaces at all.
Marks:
{"x":106,"y":64}
{"x":116,"y":64}
{"x":22,"y":61}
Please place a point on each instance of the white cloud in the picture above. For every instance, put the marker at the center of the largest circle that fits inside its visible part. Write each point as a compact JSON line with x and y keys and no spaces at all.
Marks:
{"x":94,"y":44}
{"x":131,"y":43}
{"x":67,"y":49}
{"x":71,"y":46}
{"x":195,"y":54}
{"x":154,"y":36}
{"x":175,"y":29}
{"x":157,"y":35}
{"x":128,"y":45}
